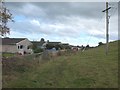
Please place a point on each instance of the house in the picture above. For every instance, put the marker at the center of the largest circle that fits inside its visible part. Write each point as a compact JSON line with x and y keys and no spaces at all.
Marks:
{"x":66,"y":45}
{"x":16,"y":45}
{"x":76,"y":48}
{"x":54,"y":43}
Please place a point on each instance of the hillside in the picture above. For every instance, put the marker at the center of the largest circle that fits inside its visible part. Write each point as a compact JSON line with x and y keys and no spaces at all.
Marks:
{"x":90,"y":69}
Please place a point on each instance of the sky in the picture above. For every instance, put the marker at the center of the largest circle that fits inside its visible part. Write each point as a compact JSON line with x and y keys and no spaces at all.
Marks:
{"x":76,"y":23}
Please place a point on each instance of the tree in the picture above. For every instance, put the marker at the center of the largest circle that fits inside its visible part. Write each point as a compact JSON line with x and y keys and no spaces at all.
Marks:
{"x":87,"y":46}
{"x":100,"y":43}
{"x":42,"y":40}
{"x":82,"y":47}
{"x":5,"y":17}
{"x":47,"y":41}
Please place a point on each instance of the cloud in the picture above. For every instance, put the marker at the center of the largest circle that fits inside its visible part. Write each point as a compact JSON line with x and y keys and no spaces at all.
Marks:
{"x":35,"y":22}
{"x":62,"y":21}
{"x":54,"y":9}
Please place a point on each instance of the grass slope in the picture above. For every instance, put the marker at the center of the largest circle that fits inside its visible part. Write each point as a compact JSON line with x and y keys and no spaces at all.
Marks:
{"x":90,"y":69}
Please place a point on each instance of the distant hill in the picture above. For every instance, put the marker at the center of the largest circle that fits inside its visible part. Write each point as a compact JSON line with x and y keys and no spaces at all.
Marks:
{"x":90,"y":69}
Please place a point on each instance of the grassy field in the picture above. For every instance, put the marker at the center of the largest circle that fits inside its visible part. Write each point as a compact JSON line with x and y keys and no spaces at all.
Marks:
{"x":90,"y":69}
{"x":7,"y":55}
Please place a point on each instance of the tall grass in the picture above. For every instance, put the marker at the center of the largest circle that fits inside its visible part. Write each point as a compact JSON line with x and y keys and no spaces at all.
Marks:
{"x":90,"y":69}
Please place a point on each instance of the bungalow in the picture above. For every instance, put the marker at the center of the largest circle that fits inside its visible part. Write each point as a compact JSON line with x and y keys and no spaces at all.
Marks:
{"x":76,"y":48}
{"x":16,"y":45}
{"x":54,"y":43}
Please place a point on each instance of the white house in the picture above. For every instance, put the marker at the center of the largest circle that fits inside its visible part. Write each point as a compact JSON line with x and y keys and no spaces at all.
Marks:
{"x":16,"y":45}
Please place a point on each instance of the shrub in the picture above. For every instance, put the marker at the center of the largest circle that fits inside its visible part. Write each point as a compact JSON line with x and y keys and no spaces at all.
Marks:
{"x":100,"y":43}
{"x":38,"y":50}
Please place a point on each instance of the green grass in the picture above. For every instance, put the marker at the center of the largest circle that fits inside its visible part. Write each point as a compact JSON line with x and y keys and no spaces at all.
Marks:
{"x":90,"y":69}
{"x":7,"y":55}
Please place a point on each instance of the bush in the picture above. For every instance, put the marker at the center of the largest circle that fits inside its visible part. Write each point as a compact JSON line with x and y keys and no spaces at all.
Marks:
{"x":38,"y":50}
{"x":50,"y":46}
{"x":100,"y":43}
{"x":57,"y":47}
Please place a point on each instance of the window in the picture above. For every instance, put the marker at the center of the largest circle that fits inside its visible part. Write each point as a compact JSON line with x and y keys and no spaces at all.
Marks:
{"x":21,"y":46}
{"x":28,"y":47}
{"x":18,"y":47}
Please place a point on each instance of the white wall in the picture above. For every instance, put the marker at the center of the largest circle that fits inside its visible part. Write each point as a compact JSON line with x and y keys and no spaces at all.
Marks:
{"x":25,"y":44}
{"x":14,"y":48}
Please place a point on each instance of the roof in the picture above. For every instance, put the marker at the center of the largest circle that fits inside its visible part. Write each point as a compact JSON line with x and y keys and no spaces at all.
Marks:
{"x":65,"y":43}
{"x":54,"y":42}
{"x":38,"y":43}
{"x":11,"y":41}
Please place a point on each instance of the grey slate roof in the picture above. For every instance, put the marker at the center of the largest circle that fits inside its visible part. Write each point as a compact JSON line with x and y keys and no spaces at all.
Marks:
{"x":37,"y":43}
{"x":11,"y":41}
{"x":54,"y":42}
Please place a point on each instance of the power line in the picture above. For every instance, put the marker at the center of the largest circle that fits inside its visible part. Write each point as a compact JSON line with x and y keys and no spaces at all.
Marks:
{"x":91,"y":35}
{"x":107,"y":22}
{"x":114,"y":11}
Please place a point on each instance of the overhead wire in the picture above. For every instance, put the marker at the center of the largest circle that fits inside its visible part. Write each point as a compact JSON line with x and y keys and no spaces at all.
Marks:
{"x":92,"y":33}
{"x":114,"y":8}
{"x":113,"y":12}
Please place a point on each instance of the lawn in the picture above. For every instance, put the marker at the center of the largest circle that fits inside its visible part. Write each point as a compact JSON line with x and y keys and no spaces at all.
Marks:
{"x":7,"y":55}
{"x":88,"y":69}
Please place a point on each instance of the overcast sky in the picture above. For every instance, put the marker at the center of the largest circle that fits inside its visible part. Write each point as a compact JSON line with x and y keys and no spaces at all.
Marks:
{"x":68,"y":22}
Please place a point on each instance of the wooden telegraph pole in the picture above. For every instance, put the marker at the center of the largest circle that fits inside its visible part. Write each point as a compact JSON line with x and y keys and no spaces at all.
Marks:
{"x":107,"y":26}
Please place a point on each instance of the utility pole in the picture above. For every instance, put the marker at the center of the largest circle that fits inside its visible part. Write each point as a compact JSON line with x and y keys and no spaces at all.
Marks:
{"x":107,"y":26}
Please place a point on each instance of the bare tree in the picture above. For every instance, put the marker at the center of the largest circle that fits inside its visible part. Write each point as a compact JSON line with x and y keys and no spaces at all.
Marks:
{"x":5,"y":17}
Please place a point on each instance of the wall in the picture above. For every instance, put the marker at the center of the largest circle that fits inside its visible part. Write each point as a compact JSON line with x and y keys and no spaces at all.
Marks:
{"x":9,"y":48}
{"x":25,"y":44}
